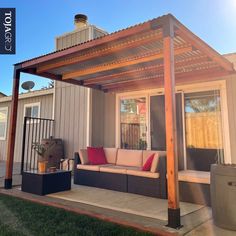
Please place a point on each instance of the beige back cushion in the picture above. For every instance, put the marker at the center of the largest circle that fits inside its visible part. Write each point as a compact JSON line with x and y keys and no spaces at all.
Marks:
{"x":83,"y":156}
{"x":129,"y":157}
{"x":110,"y":154}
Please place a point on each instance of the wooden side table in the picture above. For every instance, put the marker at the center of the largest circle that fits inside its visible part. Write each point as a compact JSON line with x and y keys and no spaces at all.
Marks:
{"x":45,"y":183}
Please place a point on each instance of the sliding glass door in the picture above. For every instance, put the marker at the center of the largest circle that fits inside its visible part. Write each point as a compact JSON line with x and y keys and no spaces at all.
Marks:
{"x":203,"y":129}
{"x":199,"y":126}
{"x":133,"y":123}
{"x":158,"y":127}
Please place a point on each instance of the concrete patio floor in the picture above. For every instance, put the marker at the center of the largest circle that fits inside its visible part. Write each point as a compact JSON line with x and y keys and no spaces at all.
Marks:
{"x":196,"y":222}
{"x":196,"y":219}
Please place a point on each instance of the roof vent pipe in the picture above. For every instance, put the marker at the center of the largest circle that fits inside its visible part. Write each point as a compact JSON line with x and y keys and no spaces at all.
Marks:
{"x":80,"y":21}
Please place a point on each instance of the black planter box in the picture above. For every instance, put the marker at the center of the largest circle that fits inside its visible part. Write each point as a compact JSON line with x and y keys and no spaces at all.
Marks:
{"x":45,"y":183}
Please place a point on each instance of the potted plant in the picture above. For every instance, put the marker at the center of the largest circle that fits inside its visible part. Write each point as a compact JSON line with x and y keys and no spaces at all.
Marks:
{"x":41,"y":150}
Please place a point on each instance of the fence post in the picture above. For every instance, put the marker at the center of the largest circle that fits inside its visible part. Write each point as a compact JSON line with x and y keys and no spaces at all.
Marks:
{"x":23,"y":145}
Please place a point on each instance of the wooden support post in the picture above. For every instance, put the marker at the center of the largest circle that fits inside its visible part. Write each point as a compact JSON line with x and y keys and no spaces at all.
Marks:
{"x":171,"y":137}
{"x":12,"y":129}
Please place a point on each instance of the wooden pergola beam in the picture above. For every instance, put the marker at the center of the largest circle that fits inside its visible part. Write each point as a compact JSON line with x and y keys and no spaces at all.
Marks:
{"x":102,"y":52}
{"x":154,"y":82}
{"x":12,"y":129}
{"x":171,"y":135}
{"x":141,"y":28}
{"x":141,"y":71}
{"x":187,"y":35}
{"x":123,"y":74}
{"x":180,"y":77}
{"x":122,"y":63}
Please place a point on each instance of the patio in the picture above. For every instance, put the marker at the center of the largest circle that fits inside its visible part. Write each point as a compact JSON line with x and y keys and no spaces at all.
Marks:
{"x":157,"y":53}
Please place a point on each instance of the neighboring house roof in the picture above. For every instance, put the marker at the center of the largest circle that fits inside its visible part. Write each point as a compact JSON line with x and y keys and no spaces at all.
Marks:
{"x":231,"y":57}
{"x":31,"y":94}
{"x":2,"y":95}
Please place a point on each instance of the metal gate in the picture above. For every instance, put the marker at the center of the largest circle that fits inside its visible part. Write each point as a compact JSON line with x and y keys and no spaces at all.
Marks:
{"x":34,"y":130}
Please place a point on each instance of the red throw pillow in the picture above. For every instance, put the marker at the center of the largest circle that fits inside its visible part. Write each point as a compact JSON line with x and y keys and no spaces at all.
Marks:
{"x":96,"y":156}
{"x":148,"y":163}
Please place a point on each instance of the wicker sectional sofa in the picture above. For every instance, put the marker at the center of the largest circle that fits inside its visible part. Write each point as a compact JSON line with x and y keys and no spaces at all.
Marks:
{"x":123,"y":172}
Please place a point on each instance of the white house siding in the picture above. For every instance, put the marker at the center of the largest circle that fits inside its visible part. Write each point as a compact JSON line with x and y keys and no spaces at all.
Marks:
{"x":46,"y":107}
{"x":231,"y":103}
{"x":71,"y":101}
{"x":231,"y":100}
{"x":71,"y":116}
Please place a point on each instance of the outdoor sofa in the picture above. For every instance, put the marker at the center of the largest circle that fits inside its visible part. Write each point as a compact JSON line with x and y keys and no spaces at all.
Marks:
{"x":124,"y":172}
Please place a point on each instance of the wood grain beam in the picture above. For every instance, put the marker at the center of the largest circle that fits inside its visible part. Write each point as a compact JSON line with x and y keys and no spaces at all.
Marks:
{"x":181,"y":79}
{"x":142,"y":71}
{"x":122,"y":63}
{"x":102,"y":52}
{"x":141,"y":28}
{"x":128,"y":74}
{"x":12,"y":130}
{"x":189,"y":37}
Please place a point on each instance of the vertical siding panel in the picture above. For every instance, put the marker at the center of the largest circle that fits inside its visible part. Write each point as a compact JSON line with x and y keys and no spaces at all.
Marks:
{"x":76,"y":123}
{"x":71,"y":122}
{"x":231,"y":98}
{"x":46,"y":109}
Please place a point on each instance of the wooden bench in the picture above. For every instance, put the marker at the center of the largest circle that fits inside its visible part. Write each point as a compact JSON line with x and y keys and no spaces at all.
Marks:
{"x":194,"y":187}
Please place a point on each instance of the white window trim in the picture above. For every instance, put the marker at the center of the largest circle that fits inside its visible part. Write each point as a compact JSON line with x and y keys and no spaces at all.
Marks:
{"x":196,"y":87}
{"x":31,"y":105}
{"x":5,"y":134}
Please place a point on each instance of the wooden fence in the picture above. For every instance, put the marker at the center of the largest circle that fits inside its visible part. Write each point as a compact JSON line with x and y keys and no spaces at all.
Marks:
{"x":204,"y":130}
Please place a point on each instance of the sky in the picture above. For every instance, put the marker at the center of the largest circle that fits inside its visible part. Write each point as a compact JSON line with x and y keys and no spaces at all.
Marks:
{"x":38,"y":22}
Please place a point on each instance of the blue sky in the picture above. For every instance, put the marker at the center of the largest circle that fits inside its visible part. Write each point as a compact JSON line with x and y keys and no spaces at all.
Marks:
{"x":39,"y":21}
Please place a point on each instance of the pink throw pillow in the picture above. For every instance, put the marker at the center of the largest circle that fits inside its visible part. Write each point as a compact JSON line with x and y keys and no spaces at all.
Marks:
{"x":96,"y":156}
{"x":148,"y":163}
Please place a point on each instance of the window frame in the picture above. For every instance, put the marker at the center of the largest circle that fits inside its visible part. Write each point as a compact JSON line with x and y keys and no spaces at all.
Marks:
{"x":31,"y":105}
{"x":5,"y":133}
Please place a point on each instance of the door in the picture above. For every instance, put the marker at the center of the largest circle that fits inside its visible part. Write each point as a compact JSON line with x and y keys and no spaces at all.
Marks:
{"x":158,"y":128}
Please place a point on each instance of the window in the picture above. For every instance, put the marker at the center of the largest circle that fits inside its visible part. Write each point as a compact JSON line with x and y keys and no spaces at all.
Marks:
{"x":3,"y":122}
{"x":32,"y":110}
{"x":133,"y":123}
{"x":204,"y":142}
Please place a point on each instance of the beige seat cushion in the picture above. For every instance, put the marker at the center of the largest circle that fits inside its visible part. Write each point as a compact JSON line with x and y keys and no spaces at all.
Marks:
{"x":88,"y":167}
{"x":194,"y":176}
{"x":83,"y":156}
{"x":129,"y":158}
{"x":114,"y":169}
{"x":143,"y":174}
{"x":91,"y":167}
{"x":110,"y":154}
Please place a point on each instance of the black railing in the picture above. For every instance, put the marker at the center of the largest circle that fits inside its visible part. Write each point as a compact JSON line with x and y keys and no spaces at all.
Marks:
{"x":133,"y":136}
{"x":34,"y":130}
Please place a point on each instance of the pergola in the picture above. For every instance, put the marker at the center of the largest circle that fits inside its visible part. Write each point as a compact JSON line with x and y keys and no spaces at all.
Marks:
{"x":160,"y":52}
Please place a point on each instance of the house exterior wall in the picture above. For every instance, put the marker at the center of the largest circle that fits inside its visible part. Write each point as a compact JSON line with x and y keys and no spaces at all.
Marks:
{"x":231,"y":103}
{"x":103,"y":119}
{"x":72,"y":103}
{"x":46,"y":108}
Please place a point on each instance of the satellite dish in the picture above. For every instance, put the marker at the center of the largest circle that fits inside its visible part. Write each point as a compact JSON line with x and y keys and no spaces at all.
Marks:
{"x":28,"y":85}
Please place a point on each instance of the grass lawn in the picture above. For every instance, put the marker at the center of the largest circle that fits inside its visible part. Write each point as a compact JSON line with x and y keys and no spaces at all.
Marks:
{"x":20,"y":217}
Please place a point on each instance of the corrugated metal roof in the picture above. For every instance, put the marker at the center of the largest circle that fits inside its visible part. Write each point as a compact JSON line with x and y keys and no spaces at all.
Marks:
{"x":115,"y":32}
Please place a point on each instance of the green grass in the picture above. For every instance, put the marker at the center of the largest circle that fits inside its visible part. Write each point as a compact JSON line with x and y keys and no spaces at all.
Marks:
{"x":20,"y":217}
